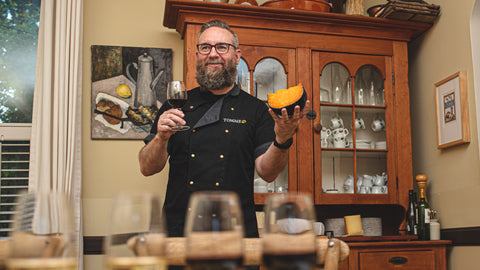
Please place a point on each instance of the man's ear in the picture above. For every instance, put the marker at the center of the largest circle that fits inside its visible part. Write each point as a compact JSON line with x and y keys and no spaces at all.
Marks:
{"x":239,"y":55}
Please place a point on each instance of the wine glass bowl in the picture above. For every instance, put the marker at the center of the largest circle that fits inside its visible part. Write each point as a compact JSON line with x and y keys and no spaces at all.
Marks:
{"x":289,"y":239}
{"x":43,"y":234}
{"x":177,"y":96}
{"x":136,"y":235}
{"x":214,"y":231}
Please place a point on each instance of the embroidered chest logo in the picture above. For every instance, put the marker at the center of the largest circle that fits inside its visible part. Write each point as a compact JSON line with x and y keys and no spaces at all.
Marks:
{"x":237,"y":121}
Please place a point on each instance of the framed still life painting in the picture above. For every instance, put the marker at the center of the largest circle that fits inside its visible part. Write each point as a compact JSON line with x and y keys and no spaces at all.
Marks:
{"x":451,"y":102}
{"x":128,"y":86}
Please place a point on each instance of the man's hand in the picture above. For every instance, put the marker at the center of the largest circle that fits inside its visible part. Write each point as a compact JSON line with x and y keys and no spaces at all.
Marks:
{"x":286,"y":126}
{"x":167,"y":120}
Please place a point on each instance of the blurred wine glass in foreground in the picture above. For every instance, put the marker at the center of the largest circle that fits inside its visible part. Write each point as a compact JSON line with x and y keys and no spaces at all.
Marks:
{"x":136,"y":234}
{"x":289,"y":240}
{"x":43,"y":234}
{"x":214,"y":231}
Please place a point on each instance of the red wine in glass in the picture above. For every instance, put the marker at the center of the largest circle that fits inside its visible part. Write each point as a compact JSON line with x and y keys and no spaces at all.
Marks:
{"x":177,"y":97}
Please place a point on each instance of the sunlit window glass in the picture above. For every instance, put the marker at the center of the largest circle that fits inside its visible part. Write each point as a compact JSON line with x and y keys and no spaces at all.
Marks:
{"x":18,"y":48}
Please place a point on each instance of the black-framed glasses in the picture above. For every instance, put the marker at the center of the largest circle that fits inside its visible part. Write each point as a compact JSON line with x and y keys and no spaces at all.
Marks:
{"x":221,"y":48}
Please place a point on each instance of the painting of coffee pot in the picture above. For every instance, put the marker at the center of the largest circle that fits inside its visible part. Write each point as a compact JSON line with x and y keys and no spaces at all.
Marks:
{"x":145,"y":82}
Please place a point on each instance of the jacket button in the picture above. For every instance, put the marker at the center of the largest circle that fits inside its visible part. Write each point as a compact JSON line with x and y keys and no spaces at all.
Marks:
{"x":232,"y":109}
{"x":226,"y":130}
{"x":221,"y":156}
{"x":217,"y":184}
{"x":191,"y":182}
{"x":191,"y":106}
{"x":193,"y":130}
{"x":192,"y":155}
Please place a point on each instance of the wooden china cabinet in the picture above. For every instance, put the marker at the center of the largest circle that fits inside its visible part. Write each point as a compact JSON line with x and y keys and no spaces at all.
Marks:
{"x":354,"y":69}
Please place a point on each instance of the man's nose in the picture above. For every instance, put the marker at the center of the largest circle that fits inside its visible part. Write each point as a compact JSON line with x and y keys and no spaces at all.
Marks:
{"x":213,"y":52}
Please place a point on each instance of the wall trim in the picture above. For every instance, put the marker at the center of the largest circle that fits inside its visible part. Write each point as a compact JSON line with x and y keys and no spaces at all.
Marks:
{"x":93,"y":245}
{"x":466,"y":236}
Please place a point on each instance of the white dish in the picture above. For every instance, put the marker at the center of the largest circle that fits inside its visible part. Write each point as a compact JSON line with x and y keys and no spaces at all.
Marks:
{"x":381,"y":145}
{"x":362,"y":145}
{"x":123,"y":105}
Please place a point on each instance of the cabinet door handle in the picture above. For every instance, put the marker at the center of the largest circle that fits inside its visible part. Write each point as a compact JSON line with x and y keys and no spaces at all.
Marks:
{"x":398,"y":260}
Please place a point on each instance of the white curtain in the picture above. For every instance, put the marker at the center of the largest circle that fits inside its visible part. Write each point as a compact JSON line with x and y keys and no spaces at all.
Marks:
{"x":55,"y":151}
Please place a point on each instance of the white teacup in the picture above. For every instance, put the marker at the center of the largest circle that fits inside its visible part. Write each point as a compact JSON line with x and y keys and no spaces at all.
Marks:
{"x":379,"y":189}
{"x":359,"y":123}
{"x":378,"y":125}
{"x":379,"y":180}
{"x":340,"y":133}
{"x":364,"y":190}
{"x":336,"y":122}
{"x":325,"y":133}
{"x":348,"y":184}
{"x":340,"y":142}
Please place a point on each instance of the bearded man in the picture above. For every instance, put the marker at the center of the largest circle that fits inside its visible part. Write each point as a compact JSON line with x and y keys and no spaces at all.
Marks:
{"x":232,"y":134}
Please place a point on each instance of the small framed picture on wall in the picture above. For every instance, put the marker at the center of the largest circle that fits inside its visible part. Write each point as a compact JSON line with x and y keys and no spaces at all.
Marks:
{"x":451,"y":102}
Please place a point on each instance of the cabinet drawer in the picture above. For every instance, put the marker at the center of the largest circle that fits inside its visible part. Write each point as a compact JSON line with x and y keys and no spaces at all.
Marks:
{"x":420,"y":260}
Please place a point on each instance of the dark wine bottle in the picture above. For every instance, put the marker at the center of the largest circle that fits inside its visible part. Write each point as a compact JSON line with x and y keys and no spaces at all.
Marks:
{"x":423,"y":209}
{"x":411,"y":218}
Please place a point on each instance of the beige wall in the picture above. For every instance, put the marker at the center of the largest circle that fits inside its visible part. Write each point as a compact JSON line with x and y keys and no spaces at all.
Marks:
{"x":454,"y":173}
{"x":111,"y":166}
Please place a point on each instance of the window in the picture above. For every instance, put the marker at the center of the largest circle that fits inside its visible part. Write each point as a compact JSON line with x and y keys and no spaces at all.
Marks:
{"x":19,"y":21}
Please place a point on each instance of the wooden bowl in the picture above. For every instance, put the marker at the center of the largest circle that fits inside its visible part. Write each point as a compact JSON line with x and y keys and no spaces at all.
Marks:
{"x":372,"y":11}
{"x":313,"y":5}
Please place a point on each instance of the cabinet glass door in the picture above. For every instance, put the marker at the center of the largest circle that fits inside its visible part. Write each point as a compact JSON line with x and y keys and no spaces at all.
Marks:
{"x":351,"y":150}
{"x":262,"y":71}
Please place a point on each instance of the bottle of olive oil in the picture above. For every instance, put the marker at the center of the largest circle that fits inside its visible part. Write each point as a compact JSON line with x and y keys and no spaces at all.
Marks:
{"x":423,"y":209}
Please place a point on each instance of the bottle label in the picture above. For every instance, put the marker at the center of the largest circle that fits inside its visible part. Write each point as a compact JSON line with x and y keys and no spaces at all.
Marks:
{"x":427,"y":215}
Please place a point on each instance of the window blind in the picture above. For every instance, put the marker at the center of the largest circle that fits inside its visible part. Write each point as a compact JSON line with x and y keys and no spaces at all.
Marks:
{"x":14,"y":162}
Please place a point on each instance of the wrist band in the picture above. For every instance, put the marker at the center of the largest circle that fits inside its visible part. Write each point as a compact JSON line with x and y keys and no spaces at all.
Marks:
{"x":284,"y":145}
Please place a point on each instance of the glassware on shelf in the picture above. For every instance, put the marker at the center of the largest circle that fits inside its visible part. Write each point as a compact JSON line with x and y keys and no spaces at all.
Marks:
{"x":371,"y":94}
{"x":324,"y":95}
{"x":360,"y":93}
{"x":337,"y":86}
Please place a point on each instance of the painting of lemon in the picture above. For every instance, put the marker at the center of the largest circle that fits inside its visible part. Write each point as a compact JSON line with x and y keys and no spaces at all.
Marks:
{"x":124,"y":91}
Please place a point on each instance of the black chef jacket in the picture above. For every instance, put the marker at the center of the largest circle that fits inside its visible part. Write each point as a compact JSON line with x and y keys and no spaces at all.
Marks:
{"x":227,"y":133}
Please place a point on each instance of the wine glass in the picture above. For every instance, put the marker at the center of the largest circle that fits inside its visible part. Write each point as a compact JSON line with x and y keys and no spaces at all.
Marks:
{"x":136,"y":235}
{"x":43,"y":234}
{"x":214,"y":231}
{"x":177,"y":97}
{"x":289,"y":239}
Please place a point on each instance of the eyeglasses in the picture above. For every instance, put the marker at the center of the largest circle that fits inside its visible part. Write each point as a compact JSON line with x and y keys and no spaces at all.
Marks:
{"x":221,"y":48}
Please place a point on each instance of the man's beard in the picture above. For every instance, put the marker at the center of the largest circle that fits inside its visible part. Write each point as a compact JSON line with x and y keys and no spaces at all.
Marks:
{"x":217,"y":79}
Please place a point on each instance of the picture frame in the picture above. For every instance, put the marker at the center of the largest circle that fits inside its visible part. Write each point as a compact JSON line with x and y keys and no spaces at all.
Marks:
{"x":451,"y":103}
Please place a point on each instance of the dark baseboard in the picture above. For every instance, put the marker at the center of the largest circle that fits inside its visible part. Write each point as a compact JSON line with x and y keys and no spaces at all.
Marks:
{"x":467,"y":236}
{"x":93,"y":245}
